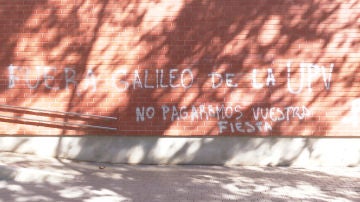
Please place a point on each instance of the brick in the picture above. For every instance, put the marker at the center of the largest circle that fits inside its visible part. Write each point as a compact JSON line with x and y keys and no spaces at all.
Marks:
{"x":116,"y":59}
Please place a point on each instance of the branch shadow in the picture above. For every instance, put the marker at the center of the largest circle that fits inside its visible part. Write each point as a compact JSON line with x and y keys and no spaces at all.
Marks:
{"x":85,"y":181}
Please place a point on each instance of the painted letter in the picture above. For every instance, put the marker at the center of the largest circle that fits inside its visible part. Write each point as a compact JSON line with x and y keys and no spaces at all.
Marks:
{"x":137,"y":80}
{"x":229,"y":81}
{"x":28,"y":82}
{"x":172,"y":77}
{"x":183,"y":113}
{"x":222,"y":126}
{"x":310,"y":73}
{"x":161,"y":78}
{"x":289,"y":79}
{"x":51,"y":78}
{"x":213,"y":75}
{"x":238,"y":110}
{"x":327,"y":79}
{"x":115,"y":81}
{"x":12,"y":76}
{"x":254,"y":83}
{"x":165,"y":110}
{"x":150,"y":112}
{"x":146,"y":80}
{"x":188,"y":71}
{"x":69,"y":79}
{"x":140,"y":114}
{"x":270,"y":79}
{"x":256,"y":113}
{"x":239,"y":127}
{"x":267,"y":126}
{"x":203,"y":111}
{"x":251,"y":128}
{"x":175,"y":113}
{"x":194,"y":113}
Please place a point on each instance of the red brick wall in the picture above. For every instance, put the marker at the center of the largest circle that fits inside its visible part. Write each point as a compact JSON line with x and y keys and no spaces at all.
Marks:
{"x":177,"y":67}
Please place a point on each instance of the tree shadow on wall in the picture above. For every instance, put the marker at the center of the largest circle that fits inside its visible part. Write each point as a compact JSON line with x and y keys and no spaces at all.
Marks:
{"x":207,"y":36}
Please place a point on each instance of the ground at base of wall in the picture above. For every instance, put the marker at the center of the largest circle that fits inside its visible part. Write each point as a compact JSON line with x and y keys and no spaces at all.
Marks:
{"x":37,"y":178}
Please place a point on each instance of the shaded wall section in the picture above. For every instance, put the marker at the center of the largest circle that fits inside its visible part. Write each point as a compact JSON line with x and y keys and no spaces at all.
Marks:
{"x":180,"y":68}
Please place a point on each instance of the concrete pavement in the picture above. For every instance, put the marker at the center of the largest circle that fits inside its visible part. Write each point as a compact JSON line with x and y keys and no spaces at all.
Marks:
{"x":32,"y":178}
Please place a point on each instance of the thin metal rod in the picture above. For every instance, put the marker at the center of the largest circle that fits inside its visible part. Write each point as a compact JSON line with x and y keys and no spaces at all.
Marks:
{"x":58,"y":112}
{"x":59,"y":123}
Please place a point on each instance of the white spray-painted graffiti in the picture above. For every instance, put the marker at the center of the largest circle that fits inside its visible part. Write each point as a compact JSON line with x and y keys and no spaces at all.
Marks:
{"x":230,"y":118}
{"x":313,"y":70}
{"x":270,"y":80}
{"x":123,"y":81}
{"x":262,"y":119}
{"x":186,"y":79}
{"x":46,"y":75}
